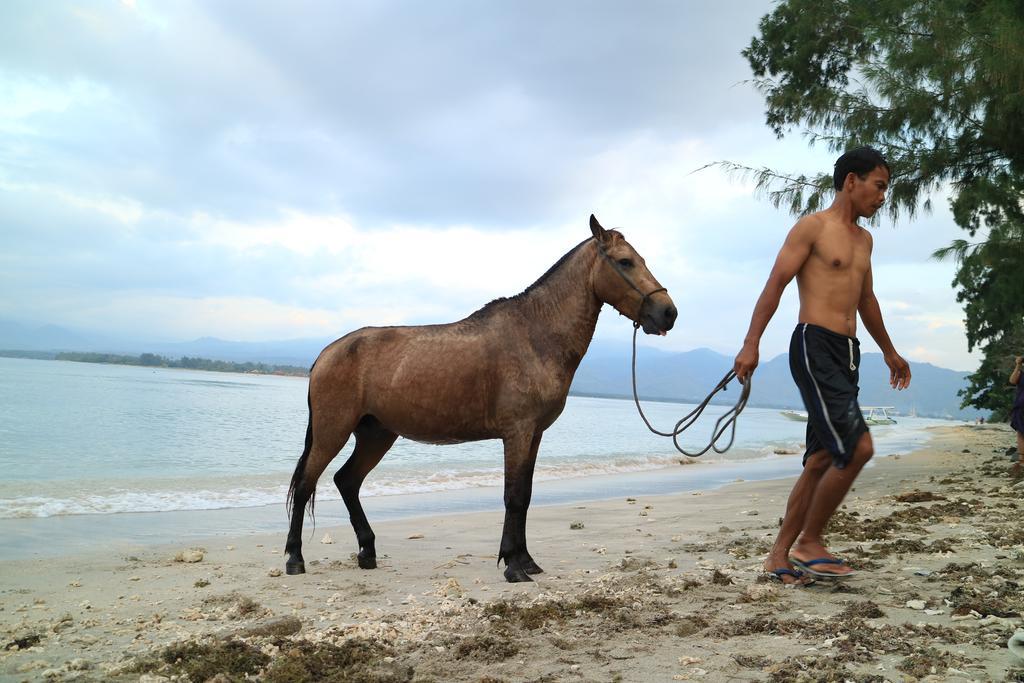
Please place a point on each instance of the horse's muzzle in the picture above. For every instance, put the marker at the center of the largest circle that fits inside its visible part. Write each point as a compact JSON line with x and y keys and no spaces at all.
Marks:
{"x":658,"y":318}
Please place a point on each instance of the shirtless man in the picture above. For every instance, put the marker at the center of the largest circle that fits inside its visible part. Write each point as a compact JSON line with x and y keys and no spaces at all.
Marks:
{"x":1017,"y":413}
{"x":830,"y":255}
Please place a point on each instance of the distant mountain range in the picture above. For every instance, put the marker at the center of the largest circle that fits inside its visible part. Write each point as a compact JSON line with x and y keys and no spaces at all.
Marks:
{"x":17,"y":336}
{"x":605,"y":370}
{"x":690,"y":375}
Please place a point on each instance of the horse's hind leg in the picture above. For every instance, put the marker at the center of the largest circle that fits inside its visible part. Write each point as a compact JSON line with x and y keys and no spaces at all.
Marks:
{"x":520,"y":457}
{"x":321,"y":447}
{"x":372,"y":441}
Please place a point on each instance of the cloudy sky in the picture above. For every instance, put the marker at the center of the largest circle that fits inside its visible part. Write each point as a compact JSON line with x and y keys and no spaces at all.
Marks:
{"x":258,"y":171}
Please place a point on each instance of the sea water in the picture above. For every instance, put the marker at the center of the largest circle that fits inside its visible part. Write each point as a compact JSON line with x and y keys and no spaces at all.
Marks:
{"x":81,"y":440}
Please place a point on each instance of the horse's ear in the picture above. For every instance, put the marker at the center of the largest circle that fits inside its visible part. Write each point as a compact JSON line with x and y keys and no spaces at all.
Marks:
{"x":599,"y":233}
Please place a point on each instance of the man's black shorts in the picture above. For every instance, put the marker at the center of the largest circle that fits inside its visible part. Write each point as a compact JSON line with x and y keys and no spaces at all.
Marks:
{"x":825,"y":366}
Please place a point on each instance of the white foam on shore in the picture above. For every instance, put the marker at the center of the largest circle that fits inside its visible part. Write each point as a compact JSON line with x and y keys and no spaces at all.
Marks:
{"x":394,"y":477}
{"x":58,"y":498}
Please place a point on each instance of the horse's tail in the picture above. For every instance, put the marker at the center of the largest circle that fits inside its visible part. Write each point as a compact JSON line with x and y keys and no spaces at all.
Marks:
{"x":300,"y":467}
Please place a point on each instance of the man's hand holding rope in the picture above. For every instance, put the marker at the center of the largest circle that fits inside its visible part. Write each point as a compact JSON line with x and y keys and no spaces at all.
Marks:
{"x":746,"y":362}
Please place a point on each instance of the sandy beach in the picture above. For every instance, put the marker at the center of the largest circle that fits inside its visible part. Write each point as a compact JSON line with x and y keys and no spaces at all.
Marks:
{"x":655,"y":588}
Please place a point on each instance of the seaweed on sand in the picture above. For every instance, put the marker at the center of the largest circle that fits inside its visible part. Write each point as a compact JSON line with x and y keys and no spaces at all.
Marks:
{"x":928,"y":661}
{"x":746,"y":546}
{"x":235,"y":605}
{"x":852,"y":526}
{"x":814,"y":669}
{"x":24,"y":642}
{"x":299,"y":661}
{"x":751,"y":661}
{"x":201,"y":661}
{"x":485,"y":648}
{"x":535,"y":615}
{"x":356,"y":660}
{"x":690,"y":624}
{"x":966,"y":599}
{"x":720,"y":579}
{"x":761,"y":624}
{"x":864,"y":609}
{"x":918,"y":497}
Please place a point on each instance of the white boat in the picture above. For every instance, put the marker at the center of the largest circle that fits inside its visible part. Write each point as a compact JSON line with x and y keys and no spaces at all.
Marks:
{"x":873,"y":415}
{"x":877,"y":415}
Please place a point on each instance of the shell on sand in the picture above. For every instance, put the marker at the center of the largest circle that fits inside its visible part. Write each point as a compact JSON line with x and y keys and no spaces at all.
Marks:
{"x":1016,"y":644}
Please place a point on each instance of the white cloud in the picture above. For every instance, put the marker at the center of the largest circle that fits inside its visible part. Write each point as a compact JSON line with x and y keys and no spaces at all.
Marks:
{"x":253,"y":173}
{"x":23,"y":98}
{"x":234,"y":318}
{"x":294,"y":230}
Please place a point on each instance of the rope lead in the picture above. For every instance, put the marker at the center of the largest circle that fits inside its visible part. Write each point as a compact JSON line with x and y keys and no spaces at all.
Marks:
{"x":729,"y":417}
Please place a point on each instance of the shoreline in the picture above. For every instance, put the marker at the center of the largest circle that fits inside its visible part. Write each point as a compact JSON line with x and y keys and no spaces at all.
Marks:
{"x":70,"y":533}
{"x":102,"y":513}
{"x":283,"y":371}
{"x":653,"y":588}
{"x":142,"y":529}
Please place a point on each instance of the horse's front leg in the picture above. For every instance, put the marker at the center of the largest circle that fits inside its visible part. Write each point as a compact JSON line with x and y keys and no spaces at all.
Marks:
{"x":520,"y":458}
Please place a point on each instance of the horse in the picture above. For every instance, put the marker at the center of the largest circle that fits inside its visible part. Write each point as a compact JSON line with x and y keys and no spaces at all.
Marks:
{"x":501,"y":373}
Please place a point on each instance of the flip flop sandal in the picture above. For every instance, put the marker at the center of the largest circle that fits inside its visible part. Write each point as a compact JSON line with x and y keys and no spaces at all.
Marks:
{"x":777,"y":574}
{"x":808,"y":566}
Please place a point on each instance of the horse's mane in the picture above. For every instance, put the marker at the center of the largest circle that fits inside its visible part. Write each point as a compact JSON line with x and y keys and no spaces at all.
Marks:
{"x":488,"y":309}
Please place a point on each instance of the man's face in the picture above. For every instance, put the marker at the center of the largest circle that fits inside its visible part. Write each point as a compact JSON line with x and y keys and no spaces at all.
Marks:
{"x":868,"y":194}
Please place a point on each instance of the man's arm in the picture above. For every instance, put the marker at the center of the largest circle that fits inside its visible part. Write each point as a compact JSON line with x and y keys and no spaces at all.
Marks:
{"x":788,"y":263}
{"x":871,"y":314}
{"x":1015,"y":375}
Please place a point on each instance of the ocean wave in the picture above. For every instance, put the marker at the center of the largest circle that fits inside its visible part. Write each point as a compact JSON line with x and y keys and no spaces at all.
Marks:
{"x":52,"y":499}
{"x":137,"y":501}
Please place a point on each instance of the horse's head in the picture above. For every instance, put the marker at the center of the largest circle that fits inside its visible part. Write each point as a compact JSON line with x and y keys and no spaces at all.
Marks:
{"x":621,"y":279}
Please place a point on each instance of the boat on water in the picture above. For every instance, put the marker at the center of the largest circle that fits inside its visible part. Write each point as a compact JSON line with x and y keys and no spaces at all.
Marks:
{"x":878,"y":415}
{"x":873,"y":415}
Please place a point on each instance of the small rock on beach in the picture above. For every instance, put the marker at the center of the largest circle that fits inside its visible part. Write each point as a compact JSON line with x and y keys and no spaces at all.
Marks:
{"x":191,"y":555}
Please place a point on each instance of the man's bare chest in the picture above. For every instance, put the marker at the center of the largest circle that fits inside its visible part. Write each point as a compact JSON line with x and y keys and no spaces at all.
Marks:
{"x":845,"y":256}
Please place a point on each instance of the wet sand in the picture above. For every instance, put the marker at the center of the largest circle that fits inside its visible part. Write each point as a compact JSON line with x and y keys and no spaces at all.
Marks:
{"x":652,"y":588}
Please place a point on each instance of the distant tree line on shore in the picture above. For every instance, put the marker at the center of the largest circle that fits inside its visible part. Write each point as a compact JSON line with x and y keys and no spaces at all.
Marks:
{"x":152,"y":360}
{"x":34,"y":355}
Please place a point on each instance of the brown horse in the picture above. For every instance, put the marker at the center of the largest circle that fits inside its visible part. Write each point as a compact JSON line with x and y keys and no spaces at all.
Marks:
{"x":502,"y":373}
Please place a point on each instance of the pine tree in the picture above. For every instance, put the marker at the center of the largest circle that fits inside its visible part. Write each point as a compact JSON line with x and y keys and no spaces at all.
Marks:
{"x":938,"y":87}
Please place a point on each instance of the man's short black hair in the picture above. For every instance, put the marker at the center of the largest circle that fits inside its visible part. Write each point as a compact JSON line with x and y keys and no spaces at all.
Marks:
{"x":859,"y":160}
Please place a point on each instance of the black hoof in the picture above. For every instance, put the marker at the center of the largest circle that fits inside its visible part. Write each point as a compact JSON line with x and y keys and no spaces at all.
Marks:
{"x":295,"y":568}
{"x":366,"y":562}
{"x":516,"y":575}
{"x":531,"y":567}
